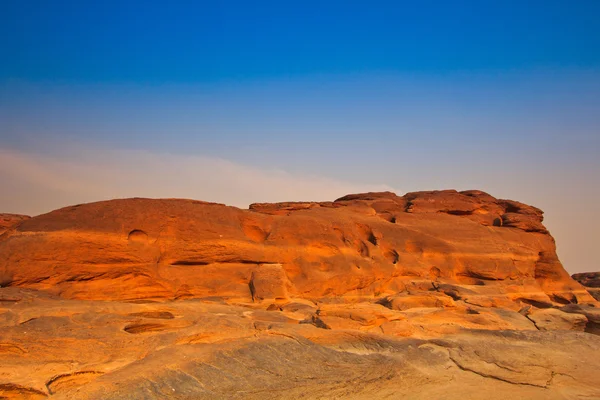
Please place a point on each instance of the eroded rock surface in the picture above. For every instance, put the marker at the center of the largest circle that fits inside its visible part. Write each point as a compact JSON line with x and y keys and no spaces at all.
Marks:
{"x":551,"y":319}
{"x":358,"y":247}
{"x":206,"y":349}
{"x":9,"y":221}
{"x":427,"y":295}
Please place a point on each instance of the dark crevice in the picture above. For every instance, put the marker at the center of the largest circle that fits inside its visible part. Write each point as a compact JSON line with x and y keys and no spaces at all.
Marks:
{"x":6,"y":282}
{"x":458,"y":212}
{"x":372,"y":239}
{"x":536,"y":230}
{"x":248,"y":262}
{"x":453,"y":294}
{"x":142,"y":328}
{"x":387,"y":217}
{"x":201,"y":263}
{"x":534,"y":324}
{"x":316,"y":321}
{"x":475,"y":275}
{"x":536,"y":303}
{"x":385,"y":302}
{"x":484,"y":375}
{"x":511,"y":208}
{"x":190,"y":263}
{"x":593,"y":328}
{"x":562,"y":300}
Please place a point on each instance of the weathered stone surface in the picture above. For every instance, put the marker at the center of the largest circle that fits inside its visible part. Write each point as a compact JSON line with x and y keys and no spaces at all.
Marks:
{"x":428,"y":295}
{"x":591,"y":282}
{"x":9,"y":221}
{"x":360,"y":246}
{"x":590,"y":312}
{"x":201,"y":349}
{"x":362,"y":316}
{"x":269,"y":281}
{"x":551,"y":319}
{"x":407,"y":301}
{"x":588,"y":279}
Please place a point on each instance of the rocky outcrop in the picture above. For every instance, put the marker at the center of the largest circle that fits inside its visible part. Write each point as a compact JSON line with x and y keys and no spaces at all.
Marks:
{"x":426,"y":295}
{"x":591,"y":282}
{"x":364,"y":246}
{"x":9,"y":221}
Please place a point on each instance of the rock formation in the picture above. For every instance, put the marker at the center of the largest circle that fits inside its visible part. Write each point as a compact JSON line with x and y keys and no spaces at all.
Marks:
{"x":358,"y":247}
{"x":426,"y":295}
{"x":8,"y":221}
{"x":591,"y":282}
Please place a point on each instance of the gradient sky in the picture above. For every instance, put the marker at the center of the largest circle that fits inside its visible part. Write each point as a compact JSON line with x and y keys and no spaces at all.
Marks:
{"x":239,"y":102}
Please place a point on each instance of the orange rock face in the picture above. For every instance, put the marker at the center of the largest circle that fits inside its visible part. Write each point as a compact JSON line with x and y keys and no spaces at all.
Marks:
{"x":9,"y":221}
{"x":358,"y":247}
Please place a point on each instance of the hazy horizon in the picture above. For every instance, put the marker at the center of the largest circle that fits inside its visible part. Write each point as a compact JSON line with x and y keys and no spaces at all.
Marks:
{"x":238,"y":103}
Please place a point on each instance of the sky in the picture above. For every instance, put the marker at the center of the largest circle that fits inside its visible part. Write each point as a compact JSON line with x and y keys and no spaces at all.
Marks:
{"x":240,"y":102}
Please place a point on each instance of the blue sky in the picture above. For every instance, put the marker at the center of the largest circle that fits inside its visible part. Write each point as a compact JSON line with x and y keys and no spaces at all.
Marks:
{"x":269,"y":101}
{"x":157,"y":42}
